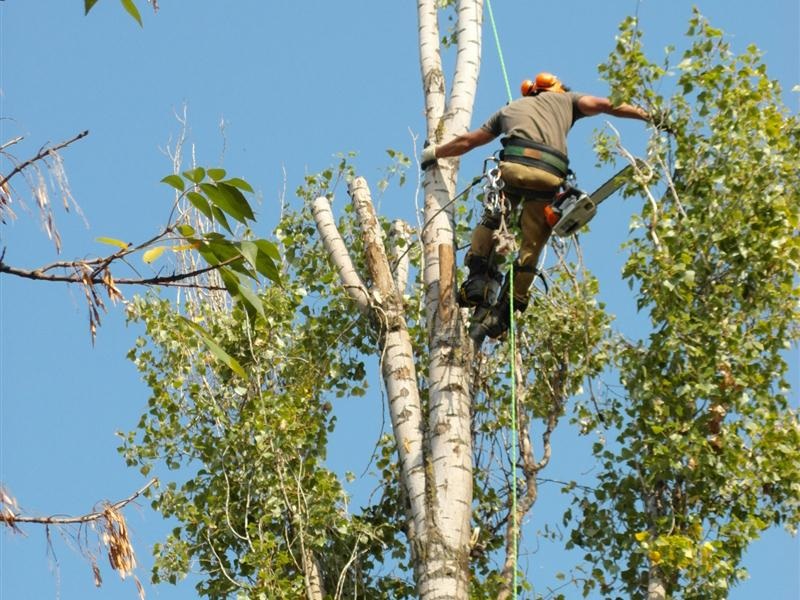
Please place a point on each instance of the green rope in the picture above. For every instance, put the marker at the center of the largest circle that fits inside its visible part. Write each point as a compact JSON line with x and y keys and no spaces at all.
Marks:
{"x":499,"y":50}
{"x":513,"y":344}
{"x":513,"y":347}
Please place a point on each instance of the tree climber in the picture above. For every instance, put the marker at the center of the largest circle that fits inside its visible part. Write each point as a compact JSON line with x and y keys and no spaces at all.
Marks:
{"x":533,"y":166}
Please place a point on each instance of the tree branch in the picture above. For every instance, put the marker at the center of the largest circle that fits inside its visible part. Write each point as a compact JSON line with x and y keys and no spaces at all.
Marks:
{"x":337,"y":252}
{"x":44,"y":152}
{"x":11,"y":519}
{"x":400,"y":239}
{"x":77,"y":277}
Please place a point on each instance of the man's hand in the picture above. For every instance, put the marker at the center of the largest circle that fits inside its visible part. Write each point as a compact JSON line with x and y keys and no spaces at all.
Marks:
{"x":428,"y":157}
{"x":661,"y":120}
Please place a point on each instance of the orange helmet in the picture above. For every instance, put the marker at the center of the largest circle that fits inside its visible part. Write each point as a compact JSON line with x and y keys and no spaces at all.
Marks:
{"x":543,"y":82}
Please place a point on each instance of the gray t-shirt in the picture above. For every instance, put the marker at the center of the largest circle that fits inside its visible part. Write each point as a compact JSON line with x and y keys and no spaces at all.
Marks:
{"x":545,"y":118}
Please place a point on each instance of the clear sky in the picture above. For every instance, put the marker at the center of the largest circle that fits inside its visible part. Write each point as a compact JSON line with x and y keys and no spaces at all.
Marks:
{"x":294,"y":83}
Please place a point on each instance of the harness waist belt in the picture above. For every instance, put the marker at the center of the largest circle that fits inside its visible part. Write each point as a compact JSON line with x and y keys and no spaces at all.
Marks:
{"x":534,"y":154}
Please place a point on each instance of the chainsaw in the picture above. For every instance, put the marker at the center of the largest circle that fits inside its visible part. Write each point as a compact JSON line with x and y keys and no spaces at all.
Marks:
{"x":573,"y":208}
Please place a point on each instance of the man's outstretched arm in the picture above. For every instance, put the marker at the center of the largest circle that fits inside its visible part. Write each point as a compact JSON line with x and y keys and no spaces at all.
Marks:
{"x":594,"y":105}
{"x":461,"y":144}
{"x":457,"y":146}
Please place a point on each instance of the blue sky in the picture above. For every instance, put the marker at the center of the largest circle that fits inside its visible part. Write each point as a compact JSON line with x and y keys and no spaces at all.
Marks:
{"x":294,"y":84}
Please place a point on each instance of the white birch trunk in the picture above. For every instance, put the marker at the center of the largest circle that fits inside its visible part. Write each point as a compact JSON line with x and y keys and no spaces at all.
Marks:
{"x":434,"y":445}
{"x":314,"y":590}
{"x":397,"y":367}
{"x":445,"y":573}
{"x":338,"y":254}
{"x":655,"y":585}
{"x":400,"y":239}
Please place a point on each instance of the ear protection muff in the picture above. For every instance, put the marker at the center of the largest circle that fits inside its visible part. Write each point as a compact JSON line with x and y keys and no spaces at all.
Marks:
{"x":544,"y":82}
{"x":527,"y":87}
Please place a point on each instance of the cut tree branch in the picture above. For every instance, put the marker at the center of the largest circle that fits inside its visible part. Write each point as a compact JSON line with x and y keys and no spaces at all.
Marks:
{"x":338,"y":254}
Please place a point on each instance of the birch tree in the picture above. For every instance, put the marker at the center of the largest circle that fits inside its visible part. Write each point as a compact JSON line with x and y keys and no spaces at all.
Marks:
{"x":433,"y":438}
{"x":433,"y":411}
{"x":461,"y":468}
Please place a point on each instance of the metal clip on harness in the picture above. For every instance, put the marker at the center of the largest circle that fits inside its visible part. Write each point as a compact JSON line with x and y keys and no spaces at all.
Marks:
{"x":493,"y":201}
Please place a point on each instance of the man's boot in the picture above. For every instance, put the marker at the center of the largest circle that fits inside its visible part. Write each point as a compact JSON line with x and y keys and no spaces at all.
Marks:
{"x":493,"y":322}
{"x":482,"y":283}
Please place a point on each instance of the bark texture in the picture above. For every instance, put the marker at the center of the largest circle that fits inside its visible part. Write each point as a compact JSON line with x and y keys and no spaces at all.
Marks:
{"x":434,"y":443}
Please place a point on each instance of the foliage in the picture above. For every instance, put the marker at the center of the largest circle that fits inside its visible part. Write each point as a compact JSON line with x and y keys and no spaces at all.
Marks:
{"x":702,"y":448}
{"x":247,"y":445}
{"x":237,"y":262}
{"x":250,"y":492}
{"x":706,"y":450}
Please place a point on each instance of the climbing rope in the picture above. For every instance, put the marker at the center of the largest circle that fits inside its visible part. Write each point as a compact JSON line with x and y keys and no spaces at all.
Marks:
{"x":512,"y":346}
{"x":499,"y":49}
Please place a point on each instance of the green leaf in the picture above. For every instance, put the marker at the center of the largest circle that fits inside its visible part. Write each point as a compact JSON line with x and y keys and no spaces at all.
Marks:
{"x":250,"y":252}
{"x":269,"y":249}
{"x":201,"y":204}
{"x":215,"y":348}
{"x":261,"y":262}
{"x":221,"y":219}
{"x":153,"y":254}
{"x":239,"y":199}
{"x":186,"y":230}
{"x":88,"y":5}
{"x":267,"y":268}
{"x":130,"y":7}
{"x":195,"y":175}
{"x":222,"y":251}
{"x":216,"y":174}
{"x":113,"y":242}
{"x":251,"y":298}
{"x":229,"y":199}
{"x":175,"y":181}
{"x":239,"y":183}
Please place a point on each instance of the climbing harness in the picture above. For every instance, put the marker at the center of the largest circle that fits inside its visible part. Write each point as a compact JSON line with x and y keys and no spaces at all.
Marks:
{"x":534,"y":154}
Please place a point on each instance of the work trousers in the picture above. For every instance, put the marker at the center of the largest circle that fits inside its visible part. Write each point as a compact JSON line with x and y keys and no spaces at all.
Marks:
{"x":532,"y":189}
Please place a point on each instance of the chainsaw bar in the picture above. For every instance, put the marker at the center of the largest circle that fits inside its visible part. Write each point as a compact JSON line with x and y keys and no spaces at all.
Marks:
{"x":613,"y":184}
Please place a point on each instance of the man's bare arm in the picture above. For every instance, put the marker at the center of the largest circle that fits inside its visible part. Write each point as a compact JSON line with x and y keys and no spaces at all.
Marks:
{"x":464,"y":143}
{"x":594,"y":105}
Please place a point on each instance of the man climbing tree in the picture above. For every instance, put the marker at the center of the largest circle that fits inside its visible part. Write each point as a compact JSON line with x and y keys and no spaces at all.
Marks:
{"x":533,"y":166}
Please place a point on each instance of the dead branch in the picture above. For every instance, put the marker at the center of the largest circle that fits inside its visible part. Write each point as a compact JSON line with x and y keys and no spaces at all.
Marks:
{"x":11,"y":519}
{"x":43,"y":153}
{"x":173,"y":280}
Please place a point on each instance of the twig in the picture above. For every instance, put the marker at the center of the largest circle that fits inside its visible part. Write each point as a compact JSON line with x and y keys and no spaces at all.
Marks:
{"x":94,"y":516}
{"x":16,"y":140}
{"x":164,"y":280}
{"x":42,"y":154}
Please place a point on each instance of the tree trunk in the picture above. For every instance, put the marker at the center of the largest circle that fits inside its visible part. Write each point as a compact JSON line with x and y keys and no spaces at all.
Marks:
{"x":314,"y":590}
{"x":444,"y":570}
{"x":655,"y":585}
{"x":434,"y":442}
